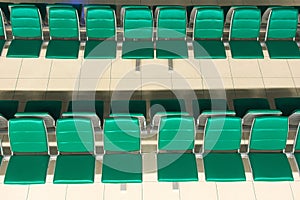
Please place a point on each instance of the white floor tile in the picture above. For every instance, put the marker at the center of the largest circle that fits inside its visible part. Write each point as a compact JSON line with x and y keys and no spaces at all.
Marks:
{"x":241,"y":68}
{"x":274,"y":68}
{"x":159,"y":191}
{"x":217,"y":83}
{"x":113,"y":192}
{"x":99,"y":68}
{"x":248,"y":83}
{"x":157,"y":84}
{"x":8,"y":84}
{"x":32,"y":84}
{"x":273,"y":190}
{"x":14,"y":192}
{"x":85,"y":191}
{"x":294,"y":67}
{"x":124,"y":69}
{"x":63,"y":84}
{"x":295,"y":189}
{"x":186,"y":69}
{"x":47,"y":192}
{"x":203,"y":190}
{"x":187,"y":84}
{"x":10,"y":67}
{"x":35,"y":68}
{"x":155,"y":69}
{"x":236,"y":191}
{"x":125,"y":84}
{"x":279,"y":83}
{"x":66,"y":68}
{"x":215,"y":68}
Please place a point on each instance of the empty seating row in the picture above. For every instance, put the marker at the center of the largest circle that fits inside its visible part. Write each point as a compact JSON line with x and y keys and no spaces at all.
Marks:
{"x":139,"y":33}
{"x":202,"y":109}
{"x":122,"y":159}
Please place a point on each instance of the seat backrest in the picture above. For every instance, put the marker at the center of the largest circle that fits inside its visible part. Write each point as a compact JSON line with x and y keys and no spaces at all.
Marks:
{"x":245,"y":22}
{"x":100,"y":22}
{"x":8,"y":108}
{"x":222,"y":134}
{"x":138,"y":22}
{"x":200,"y":105}
{"x":2,"y":25}
{"x":282,"y":23}
{"x":87,"y":106}
{"x":171,"y":22}
{"x":241,"y":106}
{"x":131,"y":106}
{"x":49,"y":106}
{"x":25,"y":21}
{"x":287,"y":105}
{"x":166,"y":105}
{"x":27,"y":136}
{"x":63,"y":22}
{"x":176,"y":133}
{"x":121,"y":134}
{"x":75,"y":135}
{"x":208,"y":22}
{"x":269,"y":133}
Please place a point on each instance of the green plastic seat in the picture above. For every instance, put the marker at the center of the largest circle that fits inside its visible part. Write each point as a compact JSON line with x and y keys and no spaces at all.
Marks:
{"x":101,"y":32}
{"x":281,"y":33}
{"x":208,"y":23}
{"x":75,"y":143}
{"x":117,"y":169}
{"x":2,"y":31}
{"x":244,"y":32}
{"x":171,"y":32}
{"x":64,"y":33}
{"x":290,"y":106}
{"x":27,"y":136}
{"x":26,"y":30}
{"x":176,"y":135}
{"x":131,"y":108}
{"x":48,"y":110}
{"x":122,"y":136}
{"x":243,"y":105}
{"x":296,"y":149}
{"x":222,"y":139}
{"x":166,"y":107}
{"x":269,"y":134}
{"x":138,"y":32}
{"x":8,"y":108}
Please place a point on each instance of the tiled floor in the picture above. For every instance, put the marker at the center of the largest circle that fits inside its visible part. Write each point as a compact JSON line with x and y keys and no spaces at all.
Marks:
{"x":110,"y":75}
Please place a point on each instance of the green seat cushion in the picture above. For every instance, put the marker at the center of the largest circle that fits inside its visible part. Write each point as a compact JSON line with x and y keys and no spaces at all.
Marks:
{"x":224,"y":167}
{"x":297,"y":157}
{"x":138,"y":50}
{"x":209,"y":49}
{"x":246,"y":49}
{"x":27,"y":169}
{"x":24,"y":48}
{"x":100,"y":49}
{"x":270,"y":167}
{"x":122,"y":168}
{"x":176,"y":167}
{"x":0,"y":158}
{"x":282,"y":49}
{"x":171,"y":49}
{"x":2,"y":42}
{"x":63,"y":49}
{"x":74,"y":169}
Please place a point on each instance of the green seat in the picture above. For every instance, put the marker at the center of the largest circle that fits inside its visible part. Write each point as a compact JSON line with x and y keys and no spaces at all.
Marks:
{"x":296,"y":149}
{"x":171,"y":32}
{"x":27,"y":32}
{"x":101,"y":32}
{"x":2,"y":31}
{"x":281,"y":32}
{"x":138,"y":32}
{"x":289,"y":106}
{"x":27,"y":136}
{"x":87,"y":106}
{"x":222,"y":139}
{"x":244,"y":32}
{"x":8,"y":108}
{"x":208,"y":22}
{"x":64,"y":32}
{"x":75,"y":143}
{"x":48,"y":110}
{"x":243,"y":105}
{"x":176,"y":135}
{"x":269,"y":134}
{"x":165,"y":107}
{"x":122,"y":136}
{"x":117,"y":169}
{"x":131,"y":108}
